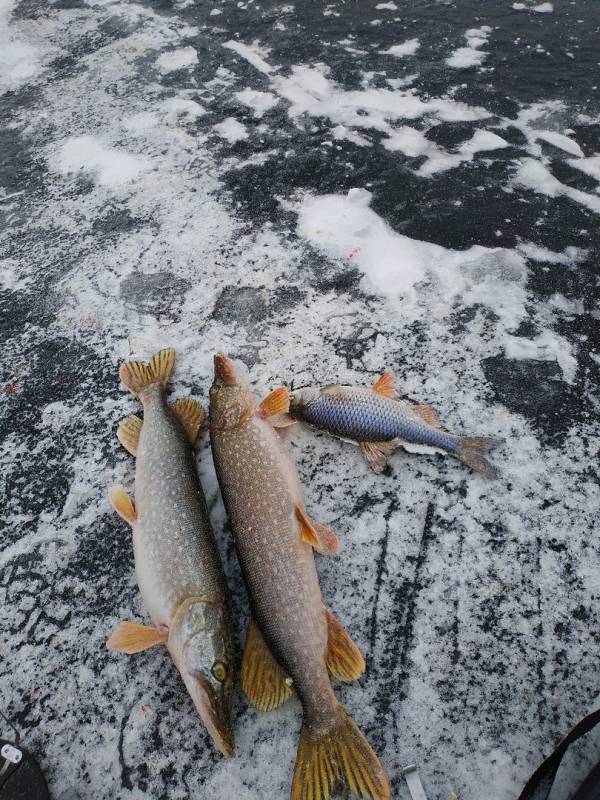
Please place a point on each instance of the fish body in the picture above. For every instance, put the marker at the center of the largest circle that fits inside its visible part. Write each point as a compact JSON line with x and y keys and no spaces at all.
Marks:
{"x":177,"y":563}
{"x":376,"y":419}
{"x":360,"y":414}
{"x":293,"y":639}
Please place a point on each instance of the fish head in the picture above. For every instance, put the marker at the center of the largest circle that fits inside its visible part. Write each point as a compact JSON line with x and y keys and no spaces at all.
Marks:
{"x":201,"y":647}
{"x":232,"y":403}
{"x":301,"y":399}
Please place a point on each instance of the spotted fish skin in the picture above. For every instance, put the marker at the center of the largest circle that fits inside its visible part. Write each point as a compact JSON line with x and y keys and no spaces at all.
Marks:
{"x":362,"y":415}
{"x":262,"y":494}
{"x":175,"y":551}
{"x":177,"y":563}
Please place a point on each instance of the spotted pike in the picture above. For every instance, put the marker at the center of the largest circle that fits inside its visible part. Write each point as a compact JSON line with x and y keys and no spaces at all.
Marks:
{"x":376,"y":419}
{"x":177,"y":563}
{"x":293,"y":641}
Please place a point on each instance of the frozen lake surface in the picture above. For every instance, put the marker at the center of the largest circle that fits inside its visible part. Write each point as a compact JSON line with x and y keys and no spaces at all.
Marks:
{"x":323,"y":191}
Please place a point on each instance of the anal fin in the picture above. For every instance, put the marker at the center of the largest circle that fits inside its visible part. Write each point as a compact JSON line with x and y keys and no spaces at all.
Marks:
{"x":190,"y":414}
{"x":133,"y":637}
{"x":322,"y":538}
{"x":427,"y":414}
{"x":122,"y":504}
{"x":343,"y":658}
{"x":262,"y":678}
{"x":377,"y":453}
{"x":128,"y":433}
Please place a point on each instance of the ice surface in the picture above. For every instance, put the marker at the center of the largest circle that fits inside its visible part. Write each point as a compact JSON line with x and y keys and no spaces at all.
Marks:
{"x":177,"y":59}
{"x":311,"y":252}
{"x":534,"y":175}
{"x":259,"y":102}
{"x":231,"y":130}
{"x":252,"y":54}
{"x":408,"y":48}
{"x":107,"y":165}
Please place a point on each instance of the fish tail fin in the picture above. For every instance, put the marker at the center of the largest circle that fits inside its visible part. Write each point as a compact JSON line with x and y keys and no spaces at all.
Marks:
{"x":137,"y":376}
{"x":339,"y":756}
{"x":471,"y":452}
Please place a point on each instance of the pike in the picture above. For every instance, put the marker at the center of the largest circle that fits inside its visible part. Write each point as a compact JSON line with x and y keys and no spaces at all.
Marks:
{"x":293,"y":642}
{"x":376,"y":419}
{"x":177,"y":563}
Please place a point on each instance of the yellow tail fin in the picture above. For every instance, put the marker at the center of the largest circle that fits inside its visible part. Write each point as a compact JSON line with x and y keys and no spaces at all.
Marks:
{"x":343,"y":757}
{"x":137,"y":376}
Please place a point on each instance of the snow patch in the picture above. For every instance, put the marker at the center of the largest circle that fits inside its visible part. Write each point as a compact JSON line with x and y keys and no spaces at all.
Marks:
{"x":344,"y":227}
{"x":19,"y":60}
{"x":548,"y":346}
{"x":386,"y":7}
{"x":253,"y":55}
{"x":532,"y":174}
{"x":310,"y":91}
{"x":589,"y":165}
{"x":414,"y":143}
{"x":259,"y":102}
{"x":173,"y":60}
{"x":408,"y":48}
{"x":470,"y":56}
{"x":107,"y":165}
{"x":231,"y":130}
{"x":559,"y":140}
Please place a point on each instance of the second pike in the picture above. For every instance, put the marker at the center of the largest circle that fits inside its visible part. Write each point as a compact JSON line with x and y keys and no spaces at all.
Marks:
{"x":293,"y":641}
{"x":376,"y":419}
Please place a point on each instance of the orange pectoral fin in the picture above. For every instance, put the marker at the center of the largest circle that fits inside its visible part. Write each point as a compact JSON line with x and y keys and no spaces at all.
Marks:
{"x":122,"y":504}
{"x":385,"y":385}
{"x":376,"y":453}
{"x":133,"y":637}
{"x":320,"y":537}
{"x":277,"y":402}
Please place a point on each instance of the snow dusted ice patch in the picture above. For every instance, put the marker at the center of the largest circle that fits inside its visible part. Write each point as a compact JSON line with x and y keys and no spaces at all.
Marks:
{"x":408,"y":48}
{"x":590,"y":165}
{"x":559,"y":140}
{"x":231,"y":130}
{"x":173,"y":60}
{"x":259,"y":102}
{"x":548,"y":346}
{"x":471,"y":56}
{"x":19,"y":60}
{"x":414,"y":143}
{"x":534,"y":175}
{"x":107,"y":165}
{"x":310,"y":91}
{"x":344,"y":227}
{"x":253,"y":54}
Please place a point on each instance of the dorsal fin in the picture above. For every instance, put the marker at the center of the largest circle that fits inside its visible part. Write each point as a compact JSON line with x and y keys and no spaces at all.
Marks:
{"x":385,"y":385}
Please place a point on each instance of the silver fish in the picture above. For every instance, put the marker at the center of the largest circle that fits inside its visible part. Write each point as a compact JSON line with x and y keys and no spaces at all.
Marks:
{"x":378,"y":421}
{"x":293,"y":641}
{"x":177,"y":563}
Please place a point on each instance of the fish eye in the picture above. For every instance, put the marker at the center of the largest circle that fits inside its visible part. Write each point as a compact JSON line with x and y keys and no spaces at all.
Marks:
{"x":219,"y":671}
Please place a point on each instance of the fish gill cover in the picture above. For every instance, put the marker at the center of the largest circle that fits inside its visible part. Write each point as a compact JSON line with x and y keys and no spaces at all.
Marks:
{"x":322,"y":191}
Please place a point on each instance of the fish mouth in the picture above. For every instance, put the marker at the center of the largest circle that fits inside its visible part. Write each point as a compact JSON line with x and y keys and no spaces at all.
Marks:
{"x":214,"y":709}
{"x":224,"y":370}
